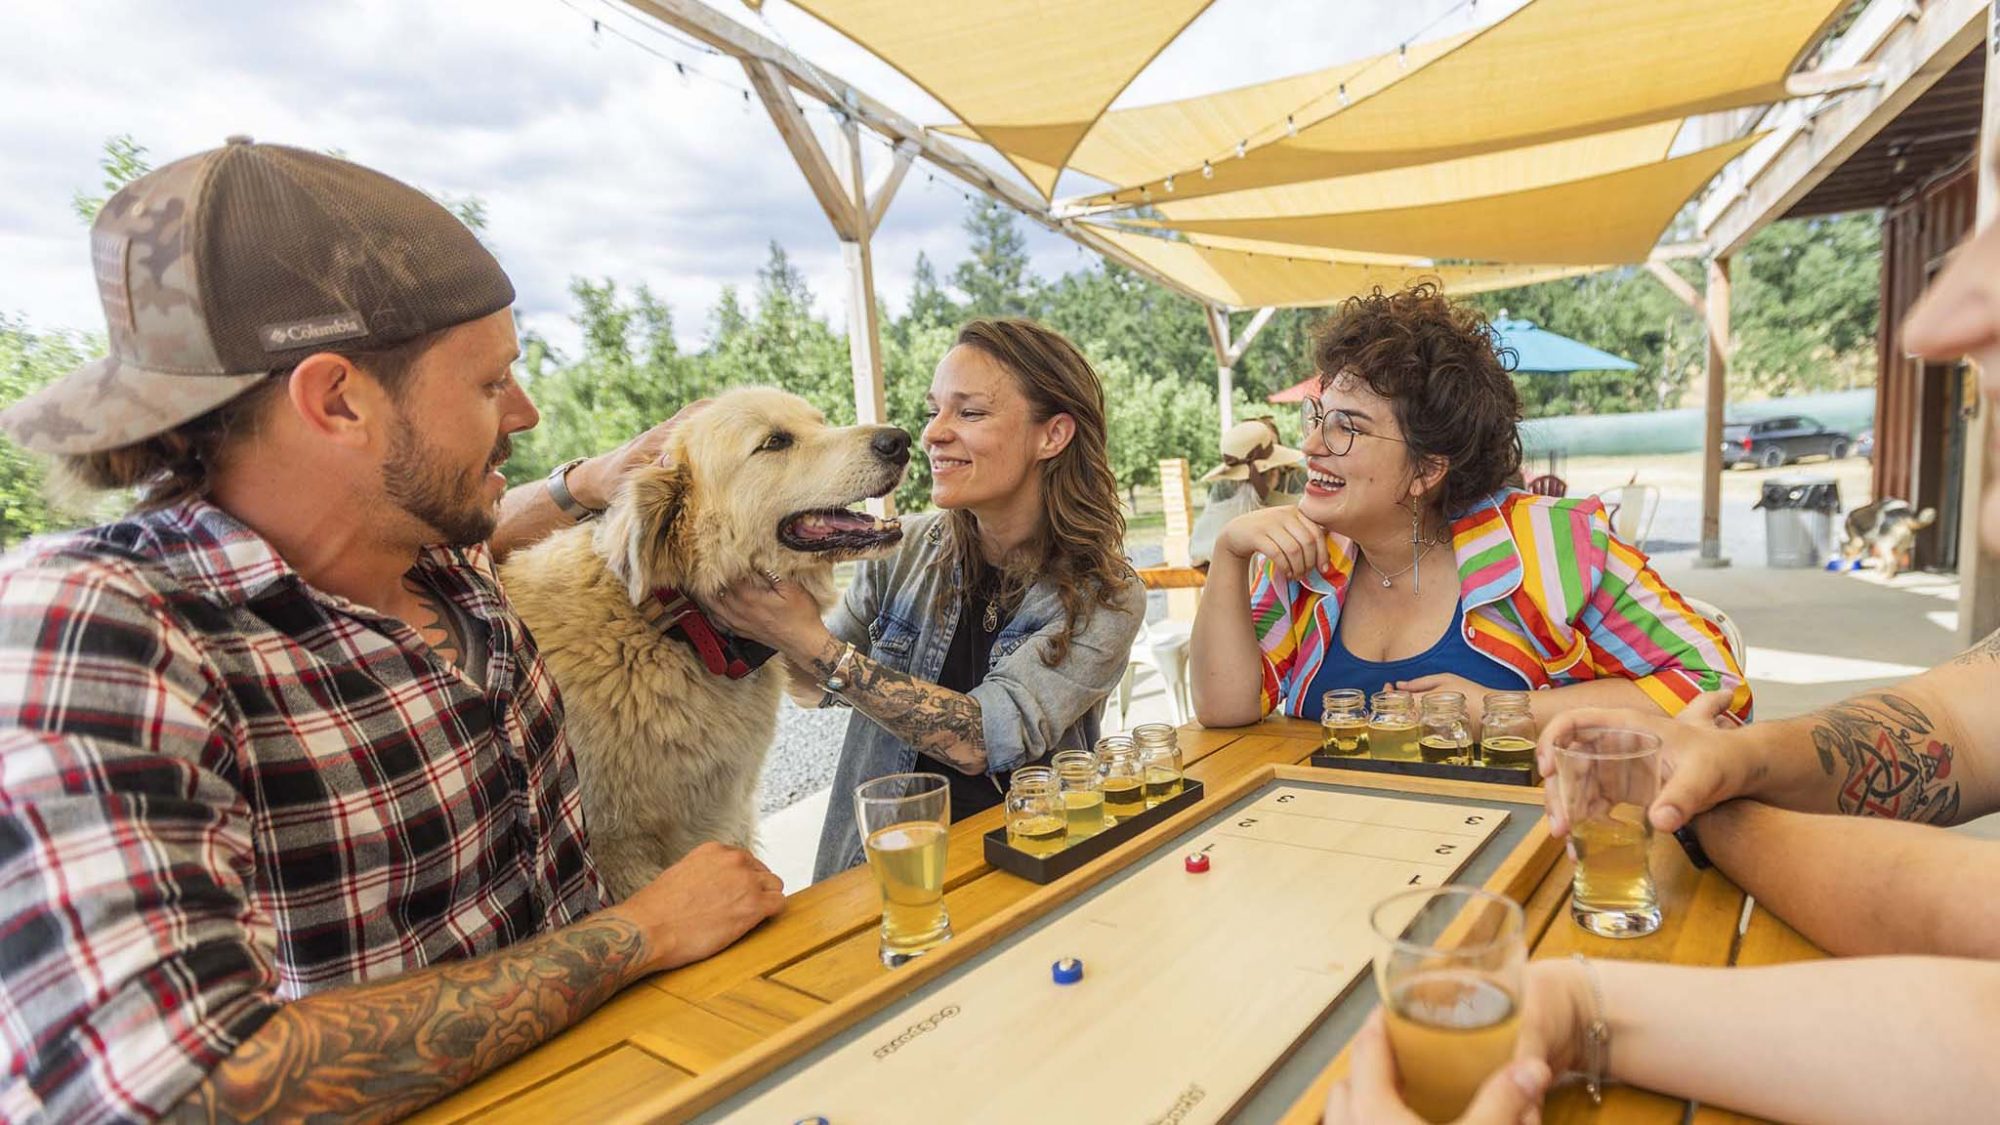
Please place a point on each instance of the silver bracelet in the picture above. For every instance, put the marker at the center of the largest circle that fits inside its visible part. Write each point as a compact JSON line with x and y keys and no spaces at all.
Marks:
{"x":836,"y":682}
{"x":1596,"y":1036}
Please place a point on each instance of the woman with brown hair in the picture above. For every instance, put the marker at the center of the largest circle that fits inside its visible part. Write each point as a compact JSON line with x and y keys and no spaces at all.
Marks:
{"x":991,"y":638}
{"x":1409,"y":563}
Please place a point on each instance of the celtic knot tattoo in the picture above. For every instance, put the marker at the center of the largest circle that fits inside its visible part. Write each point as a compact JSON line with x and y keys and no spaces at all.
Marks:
{"x":1894,"y":764}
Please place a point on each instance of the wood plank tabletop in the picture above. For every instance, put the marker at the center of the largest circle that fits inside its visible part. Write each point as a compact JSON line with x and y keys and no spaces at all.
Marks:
{"x":678,"y":1025}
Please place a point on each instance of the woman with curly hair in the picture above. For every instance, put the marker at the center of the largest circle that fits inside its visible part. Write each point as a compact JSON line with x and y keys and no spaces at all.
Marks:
{"x":1410,"y":563}
{"x":992,"y":637}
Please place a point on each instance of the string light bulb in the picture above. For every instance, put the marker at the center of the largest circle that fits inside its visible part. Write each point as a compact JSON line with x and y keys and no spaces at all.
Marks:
{"x":1343,"y":93}
{"x":1207,"y":170}
{"x":1403,"y":55}
{"x":1291,"y":126}
{"x":1170,"y":185}
{"x":1146,"y":194}
{"x":1241,"y":148}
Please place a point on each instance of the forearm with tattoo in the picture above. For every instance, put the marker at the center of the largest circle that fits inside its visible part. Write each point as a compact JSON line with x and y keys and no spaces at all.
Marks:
{"x":377,"y":1052}
{"x":1887,"y":758}
{"x":937,"y":722}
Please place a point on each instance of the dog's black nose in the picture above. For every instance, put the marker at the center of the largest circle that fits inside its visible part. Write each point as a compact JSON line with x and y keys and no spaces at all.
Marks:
{"x":891,"y":444}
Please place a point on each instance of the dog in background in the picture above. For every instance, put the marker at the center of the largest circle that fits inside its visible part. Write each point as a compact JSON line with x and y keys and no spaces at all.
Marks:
{"x":669,"y":718}
{"x":1887,"y":532}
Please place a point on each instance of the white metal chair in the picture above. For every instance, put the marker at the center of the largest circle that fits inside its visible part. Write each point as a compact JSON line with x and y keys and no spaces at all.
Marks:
{"x":1631,"y":508}
{"x":1732,"y":635}
{"x":1164,"y":645}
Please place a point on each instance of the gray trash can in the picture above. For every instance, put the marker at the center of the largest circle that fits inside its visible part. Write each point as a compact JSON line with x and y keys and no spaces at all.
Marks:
{"x":1798,"y":520}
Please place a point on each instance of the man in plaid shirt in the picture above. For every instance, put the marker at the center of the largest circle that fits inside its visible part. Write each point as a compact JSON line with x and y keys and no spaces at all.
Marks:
{"x":288,"y":825}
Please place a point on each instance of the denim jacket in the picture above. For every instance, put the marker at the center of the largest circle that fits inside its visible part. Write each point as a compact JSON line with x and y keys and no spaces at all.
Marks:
{"x":1028,"y":710}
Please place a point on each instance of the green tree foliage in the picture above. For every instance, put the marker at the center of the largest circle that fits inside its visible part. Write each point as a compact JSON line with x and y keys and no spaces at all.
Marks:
{"x":1808,"y":305}
{"x":1805,"y":316}
{"x":124,"y":160}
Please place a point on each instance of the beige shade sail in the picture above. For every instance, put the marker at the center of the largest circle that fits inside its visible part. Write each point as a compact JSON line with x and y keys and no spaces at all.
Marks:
{"x":1446,"y":181}
{"x":1029,"y":77}
{"x":1554,"y":70}
{"x":1129,"y":146}
{"x":1614,"y":217}
{"x":1310,"y":277}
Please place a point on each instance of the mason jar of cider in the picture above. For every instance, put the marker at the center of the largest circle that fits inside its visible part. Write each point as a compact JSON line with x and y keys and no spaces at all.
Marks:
{"x":1507,"y":736}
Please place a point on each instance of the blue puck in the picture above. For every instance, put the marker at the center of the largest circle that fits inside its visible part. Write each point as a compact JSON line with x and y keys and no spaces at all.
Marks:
{"x":1069,"y":970}
{"x":812,"y":1121}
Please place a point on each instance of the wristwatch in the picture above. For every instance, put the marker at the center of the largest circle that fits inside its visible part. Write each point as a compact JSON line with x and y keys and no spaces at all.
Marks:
{"x":1691,"y":844}
{"x":558,"y":482}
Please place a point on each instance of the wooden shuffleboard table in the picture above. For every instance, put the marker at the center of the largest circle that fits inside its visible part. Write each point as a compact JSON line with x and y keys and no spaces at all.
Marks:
{"x":1226,"y":995}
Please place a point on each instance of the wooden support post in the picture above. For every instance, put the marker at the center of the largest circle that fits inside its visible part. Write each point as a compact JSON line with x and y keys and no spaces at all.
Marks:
{"x":1978,"y":571}
{"x":864,"y":326}
{"x":1229,"y":353}
{"x":1716,"y":398}
{"x":843,"y":193}
{"x":1177,"y":501}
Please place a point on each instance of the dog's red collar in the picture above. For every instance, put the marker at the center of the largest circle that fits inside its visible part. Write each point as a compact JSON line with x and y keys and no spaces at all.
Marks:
{"x":721,"y":654}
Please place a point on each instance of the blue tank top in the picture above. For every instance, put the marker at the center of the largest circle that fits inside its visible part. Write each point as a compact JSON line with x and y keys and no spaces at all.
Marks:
{"x":1451,"y":654}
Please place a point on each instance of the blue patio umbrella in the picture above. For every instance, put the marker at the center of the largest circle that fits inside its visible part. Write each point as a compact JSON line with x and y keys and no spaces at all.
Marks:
{"x":1540,"y":351}
{"x":1536,"y":350}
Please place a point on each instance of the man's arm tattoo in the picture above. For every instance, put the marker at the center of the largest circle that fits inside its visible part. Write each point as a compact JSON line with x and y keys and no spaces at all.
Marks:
{"x":1889,"y":761}
{"x":377,"y":1052}
{"x":1985,"y":652}
{"x":937,"y":722}
{"x":439,"y":632}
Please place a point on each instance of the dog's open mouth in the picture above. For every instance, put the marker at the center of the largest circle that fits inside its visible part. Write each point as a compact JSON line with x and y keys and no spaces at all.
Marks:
{"x":837,"y":529}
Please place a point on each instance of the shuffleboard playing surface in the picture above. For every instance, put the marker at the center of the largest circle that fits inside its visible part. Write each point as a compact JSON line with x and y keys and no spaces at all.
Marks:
{"x":1195,"y":985}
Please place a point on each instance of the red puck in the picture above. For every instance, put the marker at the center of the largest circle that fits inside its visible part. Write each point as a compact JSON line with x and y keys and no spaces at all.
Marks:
{"x":1197,"y":862}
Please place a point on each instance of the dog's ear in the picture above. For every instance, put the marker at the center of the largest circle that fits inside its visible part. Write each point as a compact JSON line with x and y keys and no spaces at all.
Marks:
{"x":642,"y":528}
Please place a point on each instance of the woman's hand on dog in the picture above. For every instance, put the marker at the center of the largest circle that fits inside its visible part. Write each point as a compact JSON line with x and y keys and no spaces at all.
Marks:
{"x":596,"y":481}
{"x":778,"y":614}
{"x":697,"y":907}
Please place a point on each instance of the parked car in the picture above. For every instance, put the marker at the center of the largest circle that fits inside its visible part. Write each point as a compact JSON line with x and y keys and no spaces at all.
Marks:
{"x":1772,"y":442}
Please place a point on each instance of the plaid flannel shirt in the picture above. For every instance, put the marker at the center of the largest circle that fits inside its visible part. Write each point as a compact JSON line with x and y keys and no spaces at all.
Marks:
{"x":222,"y":789}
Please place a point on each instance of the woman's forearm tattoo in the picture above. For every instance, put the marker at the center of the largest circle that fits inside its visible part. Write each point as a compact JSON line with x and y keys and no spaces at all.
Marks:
{"x":937,"y":722}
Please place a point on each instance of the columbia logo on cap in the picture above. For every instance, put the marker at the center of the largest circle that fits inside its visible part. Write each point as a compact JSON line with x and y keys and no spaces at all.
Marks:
{"x":318,"y":330}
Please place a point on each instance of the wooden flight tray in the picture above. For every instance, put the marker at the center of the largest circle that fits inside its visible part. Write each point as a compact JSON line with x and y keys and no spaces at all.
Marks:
{"x":1049,"y":868}
{"x":1496,"y":775}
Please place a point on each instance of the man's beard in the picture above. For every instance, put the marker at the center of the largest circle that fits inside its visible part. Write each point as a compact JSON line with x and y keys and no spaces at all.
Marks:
{"x":422,"y":483}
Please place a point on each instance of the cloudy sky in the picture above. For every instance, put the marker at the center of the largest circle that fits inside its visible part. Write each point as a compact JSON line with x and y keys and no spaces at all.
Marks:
{"x":594,"y":157}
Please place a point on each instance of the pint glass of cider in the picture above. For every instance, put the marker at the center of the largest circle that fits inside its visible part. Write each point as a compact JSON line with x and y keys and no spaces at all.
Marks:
{"x":1606,"y":779}
{"x":903,"y":820}
{"x":1448,"y":964}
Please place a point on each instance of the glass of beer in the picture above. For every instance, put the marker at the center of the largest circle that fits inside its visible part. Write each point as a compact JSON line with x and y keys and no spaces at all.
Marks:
{"x":1037,"y":819}
{"x":1606,"y":780}
{"x":1448,"y":964}
{"x":1083,"y":801}
{"x":903,"y":820}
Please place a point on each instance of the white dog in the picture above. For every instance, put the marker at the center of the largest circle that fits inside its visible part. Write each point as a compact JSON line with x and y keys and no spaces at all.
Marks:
{"x":670,"y":719}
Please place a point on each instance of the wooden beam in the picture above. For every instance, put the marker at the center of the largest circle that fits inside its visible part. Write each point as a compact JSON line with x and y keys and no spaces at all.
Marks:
{"x":710,"y":27}
{"x":1832,"y":80}
{"x":1676,"y":284}
{"x":1225,"y":367}
{"x":1978,"y":571}
{"x":884,"y":188}
{"x":776,"y":94}
{"x":1716,"y":400}
{"x":864,"y":326}
{"x":1250,"y":331}
{"x":1810,"y":137}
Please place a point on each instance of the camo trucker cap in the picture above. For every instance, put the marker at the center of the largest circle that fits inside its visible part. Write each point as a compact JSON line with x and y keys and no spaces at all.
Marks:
{"x":216,"y":270}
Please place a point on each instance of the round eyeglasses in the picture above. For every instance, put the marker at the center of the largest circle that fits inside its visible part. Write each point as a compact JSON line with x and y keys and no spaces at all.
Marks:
{"x":1336,"y":429}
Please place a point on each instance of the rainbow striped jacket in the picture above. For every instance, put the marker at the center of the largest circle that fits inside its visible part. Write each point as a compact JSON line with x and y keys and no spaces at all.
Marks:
{"x":1548,"y":592}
